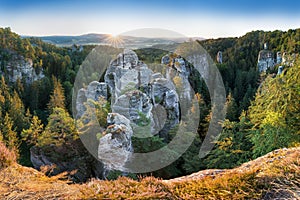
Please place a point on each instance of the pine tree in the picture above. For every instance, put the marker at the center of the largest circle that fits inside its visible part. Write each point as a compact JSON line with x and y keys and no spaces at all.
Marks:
{"x":32,"y":134}
{"x":57,"y":98}
{"x":5,"y":95}
{"x":10,"y":135}
{"x":233,"y":147}
{"x":17,"y":112}
{"x":19,"y":88}
{"x":232,"y":108}
{"x":59,"y":130}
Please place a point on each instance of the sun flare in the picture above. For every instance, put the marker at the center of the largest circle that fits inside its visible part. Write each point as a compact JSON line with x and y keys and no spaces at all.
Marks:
{"x":115,"y":40}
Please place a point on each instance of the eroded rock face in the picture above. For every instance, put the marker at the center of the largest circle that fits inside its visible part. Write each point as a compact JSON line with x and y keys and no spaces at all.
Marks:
{"x":127,"y":73}
{"x":94,"y":91}
{"x":265,"y":60}
{"x":20,"y":68}
{"x":115,"y":146}
{"x":132,"y":104}
{"x":178,"y":68}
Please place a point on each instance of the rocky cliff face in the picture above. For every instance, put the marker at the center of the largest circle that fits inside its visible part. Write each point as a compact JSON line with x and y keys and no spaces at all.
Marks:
{"x":20,"y":68}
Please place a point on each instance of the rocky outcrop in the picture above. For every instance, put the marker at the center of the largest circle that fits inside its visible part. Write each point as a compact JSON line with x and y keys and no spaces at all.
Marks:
{"x":115,"y":146}
{"x":280,"y":70}
{"x":94,"y":91}
{"x":138,"y":97}
{"x":178,"y":72}
{"x":219,"y":57}
{"x":20,"y":68}
{"x":80,"y":165}
{"x":165,"y":95}
{"x":136,"y":91}
{"x":265,"y":60}
{"x":126,"y":73}
{"x":132,"y":104}
{"x":278,"y":58}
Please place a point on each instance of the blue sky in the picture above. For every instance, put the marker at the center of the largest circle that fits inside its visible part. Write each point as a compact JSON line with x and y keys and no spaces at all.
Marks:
{"x":209,"y":19}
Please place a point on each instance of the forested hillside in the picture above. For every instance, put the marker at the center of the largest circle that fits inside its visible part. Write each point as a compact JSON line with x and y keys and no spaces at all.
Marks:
{"x":263,"y":110}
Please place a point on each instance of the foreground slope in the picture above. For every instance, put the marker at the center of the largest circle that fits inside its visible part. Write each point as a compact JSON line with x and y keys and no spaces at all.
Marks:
{"x":276,"y":174}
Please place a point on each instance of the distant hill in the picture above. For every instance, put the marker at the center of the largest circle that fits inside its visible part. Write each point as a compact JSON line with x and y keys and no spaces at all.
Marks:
{"x":120,"y":41}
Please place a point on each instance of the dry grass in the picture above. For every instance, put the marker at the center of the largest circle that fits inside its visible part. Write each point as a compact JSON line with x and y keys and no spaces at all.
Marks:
{"x":18,"y":182}
{"x":275,"y":175}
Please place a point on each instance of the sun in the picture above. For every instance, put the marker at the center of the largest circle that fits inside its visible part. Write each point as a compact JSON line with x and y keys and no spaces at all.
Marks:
{"x":114,"y":40}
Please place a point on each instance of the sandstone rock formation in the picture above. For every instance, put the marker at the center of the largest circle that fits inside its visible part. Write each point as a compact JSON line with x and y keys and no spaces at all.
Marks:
{"x":278,"y":57}
{"x":138,"y":97}
{"x":94,"y":91}
{"x":20,"y":68}
{"x":220,"y":57}
{"x":265,"y":60}
{"x":115,"y":146}
{"x":137,"y":91}
{"x":280,"y":70}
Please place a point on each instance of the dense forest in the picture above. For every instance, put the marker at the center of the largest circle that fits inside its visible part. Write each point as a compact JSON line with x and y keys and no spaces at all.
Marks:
{"x":263,"y":109}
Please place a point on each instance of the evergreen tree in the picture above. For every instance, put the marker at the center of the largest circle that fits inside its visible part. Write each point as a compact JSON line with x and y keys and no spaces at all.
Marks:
{"x":10,"y":135}
{"x":17,"y":112}
{"x":233,"y":147}
{"x":32,"y":134}
{"x":232,"y":108}
{"x":19,"y":88}
{"x":57,"y":98}
{"x":5,"y":95}
{"x":59,"y":130}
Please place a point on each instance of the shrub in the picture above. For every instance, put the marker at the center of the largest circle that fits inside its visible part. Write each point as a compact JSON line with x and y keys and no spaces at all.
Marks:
{"x":7,"y":157}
